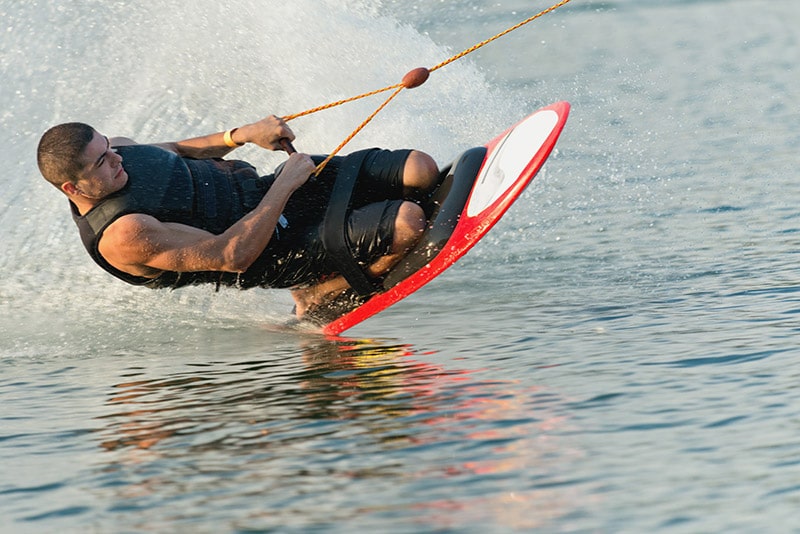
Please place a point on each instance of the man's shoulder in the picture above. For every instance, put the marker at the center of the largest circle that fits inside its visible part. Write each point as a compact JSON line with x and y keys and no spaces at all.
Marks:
{"x":130,"y":226}
{"x":128,"y":243}
{"x":121,"y":141}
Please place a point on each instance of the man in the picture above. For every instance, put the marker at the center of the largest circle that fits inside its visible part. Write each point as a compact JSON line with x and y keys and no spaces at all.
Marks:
{"x":173,"y":214}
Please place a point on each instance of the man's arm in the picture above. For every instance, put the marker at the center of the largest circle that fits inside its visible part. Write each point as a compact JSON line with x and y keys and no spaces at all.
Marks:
{"x":144,"y":246}
{"x":265,"y":133}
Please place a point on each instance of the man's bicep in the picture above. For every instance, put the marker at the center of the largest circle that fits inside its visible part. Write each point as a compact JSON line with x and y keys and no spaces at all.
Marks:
{"x":141,"y":242}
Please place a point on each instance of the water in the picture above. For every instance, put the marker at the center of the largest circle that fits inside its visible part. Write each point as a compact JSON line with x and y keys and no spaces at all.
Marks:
{"x":616,"y":356}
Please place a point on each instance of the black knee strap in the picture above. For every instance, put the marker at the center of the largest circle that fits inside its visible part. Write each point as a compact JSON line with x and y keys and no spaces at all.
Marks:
{"x":334,"y":228}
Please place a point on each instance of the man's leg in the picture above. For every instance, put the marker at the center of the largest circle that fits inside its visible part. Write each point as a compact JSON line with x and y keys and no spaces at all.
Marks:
{"x":408,"y":227}
{"x":418,"y":176}
{"x":308,"y":298}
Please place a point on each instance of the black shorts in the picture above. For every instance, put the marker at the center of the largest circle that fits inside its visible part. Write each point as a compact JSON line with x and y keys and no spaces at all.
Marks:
{"x":296,"y":255}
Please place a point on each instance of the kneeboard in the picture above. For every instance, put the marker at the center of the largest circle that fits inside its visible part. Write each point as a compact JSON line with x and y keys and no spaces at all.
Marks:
{"x":477,"y":189}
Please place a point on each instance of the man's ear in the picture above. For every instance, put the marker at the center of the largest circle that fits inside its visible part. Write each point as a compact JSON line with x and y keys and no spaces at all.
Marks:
{"x":69,"y":188}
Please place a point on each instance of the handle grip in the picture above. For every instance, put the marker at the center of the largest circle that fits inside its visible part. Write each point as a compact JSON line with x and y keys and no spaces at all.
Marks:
{"x":286,"y":145}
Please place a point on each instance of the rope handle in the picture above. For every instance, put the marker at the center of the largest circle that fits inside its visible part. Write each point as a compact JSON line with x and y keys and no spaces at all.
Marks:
{"x":287,"y":146}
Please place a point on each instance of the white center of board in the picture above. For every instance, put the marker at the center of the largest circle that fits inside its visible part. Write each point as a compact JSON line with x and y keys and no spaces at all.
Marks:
{"x":509,"y":159}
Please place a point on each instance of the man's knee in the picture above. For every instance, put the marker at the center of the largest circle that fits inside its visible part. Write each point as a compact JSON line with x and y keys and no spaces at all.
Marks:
{"x":409,"y":225}
{"x":420,"y":172}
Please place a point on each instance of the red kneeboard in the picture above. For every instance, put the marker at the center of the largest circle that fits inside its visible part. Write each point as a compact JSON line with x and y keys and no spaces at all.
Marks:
{"x":505,"y":166}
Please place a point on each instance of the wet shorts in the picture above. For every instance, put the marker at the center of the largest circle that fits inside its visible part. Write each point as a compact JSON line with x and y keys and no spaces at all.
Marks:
{"x":296,"y":254}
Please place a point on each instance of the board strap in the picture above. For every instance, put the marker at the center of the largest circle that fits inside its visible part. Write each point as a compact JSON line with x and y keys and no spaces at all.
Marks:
{"x":334,"y":227}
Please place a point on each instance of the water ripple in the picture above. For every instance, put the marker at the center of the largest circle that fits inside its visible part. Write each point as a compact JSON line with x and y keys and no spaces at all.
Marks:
{"x":728,"y":359}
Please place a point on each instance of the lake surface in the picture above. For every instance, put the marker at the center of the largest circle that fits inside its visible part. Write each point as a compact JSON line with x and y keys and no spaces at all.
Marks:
{"x":617,"y":355}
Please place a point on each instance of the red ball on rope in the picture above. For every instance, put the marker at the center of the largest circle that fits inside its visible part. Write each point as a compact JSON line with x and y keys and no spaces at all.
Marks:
{"x":415,"y":77}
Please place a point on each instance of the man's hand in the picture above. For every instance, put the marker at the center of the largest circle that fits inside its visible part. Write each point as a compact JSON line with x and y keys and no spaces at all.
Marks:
{"x":296,"y":171}
{"x":265,"y":133}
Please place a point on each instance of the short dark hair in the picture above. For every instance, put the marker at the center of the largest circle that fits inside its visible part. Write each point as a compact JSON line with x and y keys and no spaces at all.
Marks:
{"x":60,"y":150}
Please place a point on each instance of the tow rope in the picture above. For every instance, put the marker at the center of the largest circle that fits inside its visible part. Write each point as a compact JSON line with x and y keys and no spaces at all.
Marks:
{"x":413,"y":78}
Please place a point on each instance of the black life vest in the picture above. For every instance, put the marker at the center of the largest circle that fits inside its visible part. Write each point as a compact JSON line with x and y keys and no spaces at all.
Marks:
{"x":211,"y":194}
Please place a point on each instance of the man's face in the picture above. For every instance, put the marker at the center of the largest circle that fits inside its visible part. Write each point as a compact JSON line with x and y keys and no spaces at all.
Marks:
{"x":102,"y":172}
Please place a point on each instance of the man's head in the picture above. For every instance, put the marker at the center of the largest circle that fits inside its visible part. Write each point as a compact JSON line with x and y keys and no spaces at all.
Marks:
{"x":60,"y":152}
{"x":79,"y":161}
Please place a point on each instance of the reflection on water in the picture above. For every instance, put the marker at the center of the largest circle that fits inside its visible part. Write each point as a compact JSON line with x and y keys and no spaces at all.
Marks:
{"x":350,"y":428}
{"x":260,"y":394}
